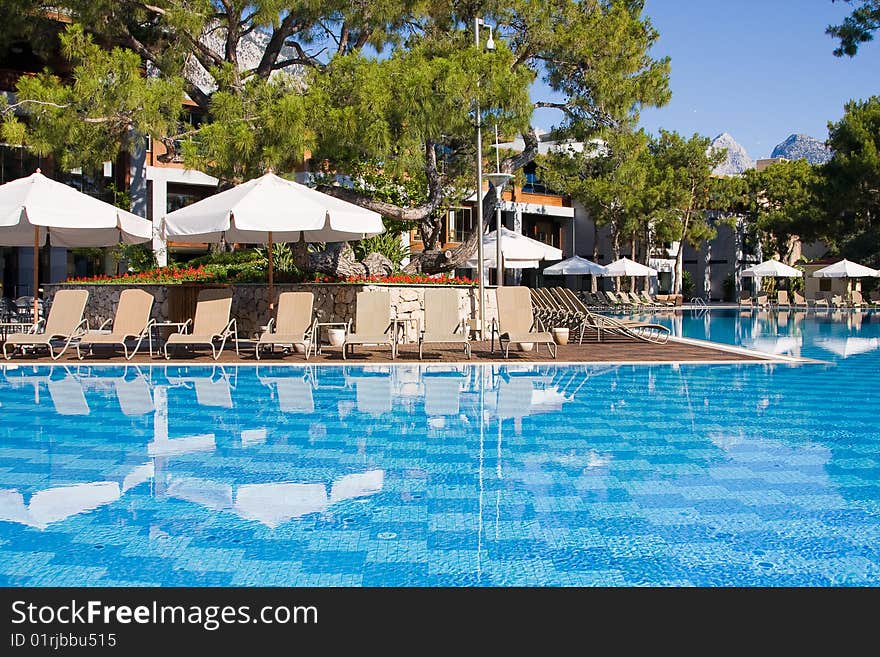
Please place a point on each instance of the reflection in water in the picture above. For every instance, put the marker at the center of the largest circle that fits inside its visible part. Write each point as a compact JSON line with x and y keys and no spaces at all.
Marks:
{"x":510,"y":474}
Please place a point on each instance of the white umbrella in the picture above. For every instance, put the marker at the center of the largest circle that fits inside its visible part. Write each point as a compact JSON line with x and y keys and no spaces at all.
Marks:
{"x":271,"y":209}
{"x":774,"y":269}
{"x":627,"y":267}
{"x":517,"y":251}
{"x":35,"y":208}
{"x":845,"y":269}
{"x":576,"y":266}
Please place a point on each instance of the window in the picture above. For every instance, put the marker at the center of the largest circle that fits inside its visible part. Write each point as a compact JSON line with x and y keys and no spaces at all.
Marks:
{"x":460,"y":224}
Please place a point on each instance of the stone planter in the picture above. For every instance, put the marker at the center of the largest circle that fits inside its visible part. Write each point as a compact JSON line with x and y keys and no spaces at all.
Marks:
{"x":560,"y":335}
{"x":525,"y":346}
{"x":335,"y":336}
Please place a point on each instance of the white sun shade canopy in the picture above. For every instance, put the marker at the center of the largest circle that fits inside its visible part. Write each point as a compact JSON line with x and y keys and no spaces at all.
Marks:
{"x":68,"y":217}
{"x":517,"y":250}
{"x":576,"y":266}
{"x":774,"y":269}
{"x":845,"y":269}
{"x":249,"y":212}
{"x":627,"y":267}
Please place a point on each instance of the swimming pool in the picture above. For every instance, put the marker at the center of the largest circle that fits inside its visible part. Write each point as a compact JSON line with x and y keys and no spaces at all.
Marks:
{"x":757,"y":474}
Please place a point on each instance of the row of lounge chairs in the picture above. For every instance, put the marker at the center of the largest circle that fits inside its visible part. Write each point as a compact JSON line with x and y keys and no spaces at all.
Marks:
{"x":522,"y":315}
{"x":623,"y":301}
{"x":559,"y":306}
{"x":797,"y":300}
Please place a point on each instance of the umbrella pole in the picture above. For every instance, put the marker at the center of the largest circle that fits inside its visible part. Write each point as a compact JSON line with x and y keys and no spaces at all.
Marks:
{"x":36,"y":288}
{"x":271,"y":278}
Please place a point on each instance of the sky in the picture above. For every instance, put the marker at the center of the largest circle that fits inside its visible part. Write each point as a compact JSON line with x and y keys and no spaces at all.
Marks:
{"x":758,"y":69}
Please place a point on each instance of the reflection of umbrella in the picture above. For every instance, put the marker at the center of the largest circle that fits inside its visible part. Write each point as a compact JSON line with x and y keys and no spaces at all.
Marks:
{"x":576,"y":266}
{"x":845,"y":269}
{"x":54,"y":504}
{"x":269,"y":209}
{"x":517,"y":250}
{"x":777,"y":345}
{"x":627,"y":267}
{"x":35,"y":208}
{"x":772,"y":268}
{"x":849,"y":346}
{"x":275,"y":503}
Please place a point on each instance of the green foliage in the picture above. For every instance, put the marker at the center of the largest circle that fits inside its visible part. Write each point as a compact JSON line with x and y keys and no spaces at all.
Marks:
{"x":682,"y":180}
{"x":261,"y":125}
{"x":610,"y":179}
{"x":687,"y":284}
{"x":852,"y":178}
{"x":283,"y":261}
{"x":135,"y":257}
{"x":109,"y":104}
{"x":387,"y":244}
{"x":857,"y":28}
{"x":728,"y":288}
{"x":784,"y":204}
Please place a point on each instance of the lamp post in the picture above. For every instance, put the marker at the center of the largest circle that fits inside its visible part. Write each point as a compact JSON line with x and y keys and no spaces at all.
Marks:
{"x":498,"y":180}
{"x":481,"y":317}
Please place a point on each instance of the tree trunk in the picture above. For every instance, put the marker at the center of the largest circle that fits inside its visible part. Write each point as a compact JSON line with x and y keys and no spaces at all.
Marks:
{"x":632,"y":279}
{"x":338,"y":259}
{"x":679,"y":258}
{"x":594,"y":283}
{"x":615,"y":251}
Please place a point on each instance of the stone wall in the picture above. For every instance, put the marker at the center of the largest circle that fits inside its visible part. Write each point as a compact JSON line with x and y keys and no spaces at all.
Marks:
{"x":250,"y":303}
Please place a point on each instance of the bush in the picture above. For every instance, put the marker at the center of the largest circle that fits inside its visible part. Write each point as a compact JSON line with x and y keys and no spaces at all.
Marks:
{"x":687,"y":284}
{"x":388,"y":244}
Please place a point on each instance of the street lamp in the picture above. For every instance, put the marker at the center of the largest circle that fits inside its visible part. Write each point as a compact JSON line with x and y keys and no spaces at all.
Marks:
{"x":498,"y":181}
{"x":490,"y":45}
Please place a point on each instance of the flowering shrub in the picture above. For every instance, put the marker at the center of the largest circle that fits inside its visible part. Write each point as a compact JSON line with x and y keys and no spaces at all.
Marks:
{"x":218,"y":274}
{"x":410,"y":279}
{"x":160,"y":276}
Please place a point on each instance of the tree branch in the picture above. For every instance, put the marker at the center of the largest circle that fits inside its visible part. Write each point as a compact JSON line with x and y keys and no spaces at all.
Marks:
{"x":288,"y":27}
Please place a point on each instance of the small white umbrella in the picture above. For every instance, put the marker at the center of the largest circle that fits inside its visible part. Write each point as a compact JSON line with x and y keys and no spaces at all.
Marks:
{"x":271,"y":209}
{"x":774,"y":269}
{"x":627,"y":267}
{"x":517,"y":251}
{"x":35,"y":208}
{"x":845,"y":269}
{"x":575,"y":266}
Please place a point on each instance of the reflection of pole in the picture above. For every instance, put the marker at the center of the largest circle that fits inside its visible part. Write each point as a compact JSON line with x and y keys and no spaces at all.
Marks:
{"x":499,"y":262}
{"x":482,"y":286}
{"x":480,"y":476}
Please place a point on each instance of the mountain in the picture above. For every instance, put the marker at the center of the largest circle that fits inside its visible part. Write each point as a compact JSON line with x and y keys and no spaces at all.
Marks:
{"x":738,"y":159}
{"x":803,"y":147}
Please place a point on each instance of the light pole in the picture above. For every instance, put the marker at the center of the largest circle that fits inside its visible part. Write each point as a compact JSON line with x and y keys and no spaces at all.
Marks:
{"x":498,"y":180}
{"x":481,"y":316}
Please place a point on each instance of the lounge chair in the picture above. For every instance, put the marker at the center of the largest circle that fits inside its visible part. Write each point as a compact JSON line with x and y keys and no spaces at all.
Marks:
{"x":820,"y":300}
{"x":745,"y":299}
{"x":799,"y":299}
{"x":65,"y":322}
{"x":293,"y":323}
{"x":516,"y":322}
{"x":210,"y":325}
{"x":293,"y":390}
{"x":443,"y":325}
{"x":857,"y":300}
{"x":374,"y":326}
{"x":762,"y":301}
{"x":132,"y":322}
{"x":782,"y":299}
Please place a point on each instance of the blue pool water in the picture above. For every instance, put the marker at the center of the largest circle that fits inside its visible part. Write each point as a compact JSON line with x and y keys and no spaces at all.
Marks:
{"x":454,"y":475}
